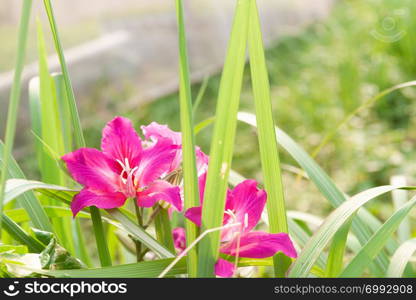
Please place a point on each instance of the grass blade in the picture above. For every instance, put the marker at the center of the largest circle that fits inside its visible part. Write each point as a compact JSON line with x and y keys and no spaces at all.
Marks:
{"x":144,"y":269}
{"x":223,"y":140}
{"x":400,"y":258}
{"x":269,"y":153}
{"x":27,"y":200}
{"x":200,"y":96}
{"x":190,"y":177}
{"x":366,"y":104}
{"x":14,"y":97}
{"x":103,"y":252}
{"x":369,"y":251}
{"x":16,"y":187}
{"x":360,"y":224}
{"x":50,"y":134}
{"x":140,"y":234}
{"x":336,"y":251}
{"x":400,"y":198}
{"x":67,"y":146}
{"x":164,"y":230}
{"x":20,"y":235}
{"x":76,"y":123}
{"x":321,"y":238}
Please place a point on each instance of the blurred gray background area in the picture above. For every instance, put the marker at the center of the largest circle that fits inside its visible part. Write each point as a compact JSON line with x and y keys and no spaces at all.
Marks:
{"x":131,"y":45}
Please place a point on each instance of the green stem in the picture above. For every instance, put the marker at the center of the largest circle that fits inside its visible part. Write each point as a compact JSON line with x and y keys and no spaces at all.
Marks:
{"x":139,"y":216}
{"x":100,"y":239}
{"x":164,"y":230}
{"x":14,"y":97}
{"x":102,"y":246}
{"x":190,"y":176}
{"x":269,"y":153}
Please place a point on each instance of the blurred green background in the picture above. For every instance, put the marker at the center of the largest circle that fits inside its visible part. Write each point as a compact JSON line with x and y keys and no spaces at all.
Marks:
{"x":319,"y":74}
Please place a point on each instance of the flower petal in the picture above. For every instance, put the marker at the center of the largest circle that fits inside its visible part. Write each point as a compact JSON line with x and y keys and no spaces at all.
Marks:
{"x":160,"y":190}
{"x":155,"y":161}
{"x":120,"y":141}
{"x":247,"y":199}
{"x":201,"y":161}
{"x":224,"y":268}
{"x":156,"y":131}
{"x":259,"y":244}
{"x":201,"y":186}
{"x":92,"y":168}
{"x":179,"y":238}
{"x":194,"y":214}
{"x":101,"y":200}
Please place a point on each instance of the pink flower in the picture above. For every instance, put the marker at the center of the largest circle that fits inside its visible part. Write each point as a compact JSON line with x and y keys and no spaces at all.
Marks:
{"x":244,"y":205}
{"x":155,"y":132}
{"x":179,"y":238}
{"x":123,"y":169}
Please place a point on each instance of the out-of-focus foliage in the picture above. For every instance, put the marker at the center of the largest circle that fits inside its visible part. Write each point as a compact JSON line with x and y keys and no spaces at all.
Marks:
{"x":317,"y":78}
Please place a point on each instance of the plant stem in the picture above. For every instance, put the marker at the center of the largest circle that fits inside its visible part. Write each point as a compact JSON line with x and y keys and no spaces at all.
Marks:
{"x":139,"y":216}
{"x":190,"y":176}
{"x":97,"y":223}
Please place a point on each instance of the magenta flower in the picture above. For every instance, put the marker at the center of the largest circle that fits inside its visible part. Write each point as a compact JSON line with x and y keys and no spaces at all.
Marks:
{"x":244,"y":205}
{"x":179,"y":238}
{"x":156,"y":132}
{"x":123,"y":169}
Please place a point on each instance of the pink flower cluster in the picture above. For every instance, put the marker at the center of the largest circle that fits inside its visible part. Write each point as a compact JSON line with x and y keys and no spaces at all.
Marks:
{"x":129,"y":167}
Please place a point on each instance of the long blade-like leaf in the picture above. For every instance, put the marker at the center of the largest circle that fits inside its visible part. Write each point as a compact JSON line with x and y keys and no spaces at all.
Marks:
{"x":28,"y":200}
{"x":223,"y":140}
{"x":321,"y":238}
{"x":102,"y":246}
{"x":14,"y":97}
{"x":327,"y":187}
{"x":401,"y":257}
{"x":144,"y":269}
{"x":369,"y":251}
{"x":269,"y":153}
{"x":191,"y":193}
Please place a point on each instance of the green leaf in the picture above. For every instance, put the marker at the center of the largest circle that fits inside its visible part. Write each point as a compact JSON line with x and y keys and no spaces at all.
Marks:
{"x":190,"y":177}
{"x":20,"y":235}
{"x":14,"y":99}
{"x":401,"y":258}
{"x":361,"y":223}
{"x":164,"y":230}
{"x":27,"y":200}
{"x":139,"y":233}
{"x":76,"y":123}
{"x":102,"y":246}
{"x":222,"y":143}
{"x":50,"y":125}
{"x":366,"y":104}
{"x":321,"y":238}
{"x":376,"y":243}
{"x":55,"y":257}
{"x":14,"y":249}
{"x":16,"y":187}
{"x":269,"y":153}
{"x":146,"y":269}
{"x":400,"y":197}
{"x":336,"y":251}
